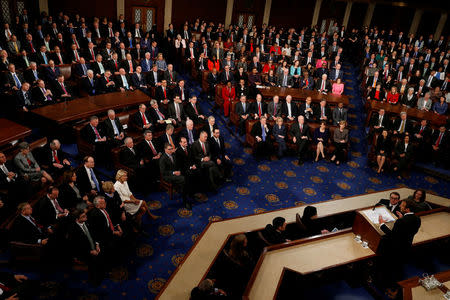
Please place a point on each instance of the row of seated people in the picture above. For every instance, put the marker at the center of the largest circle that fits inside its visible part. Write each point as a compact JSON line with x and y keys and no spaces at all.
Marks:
{"x":321,"y":79}
{"x":287,"y":109}
{"x":400,"y":140}
{"x":239,"y":256}
{"x":411,"y":97}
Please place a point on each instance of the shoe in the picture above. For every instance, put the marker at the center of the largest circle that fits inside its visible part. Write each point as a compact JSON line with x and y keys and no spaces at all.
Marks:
{"x":188,"y":206}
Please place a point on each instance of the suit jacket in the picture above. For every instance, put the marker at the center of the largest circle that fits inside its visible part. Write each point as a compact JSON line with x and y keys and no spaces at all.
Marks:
{"x":217,"y":151}
{"x":114,"y":66}
{"x":101,"y":85}
{"x":120,"y":83}
{"x":136,"y":119}
{"x":198,"y":151}
{"x":401,"y":236}
{"x":273,"y":236}
{"x":184,"y":133}
{"x":386,"y":202}
{"x":29,"y":76}
{"x":46,"y":212}
{"x":297,"y":133}
{"x":88,"y":134}
{"x":26,"y":232}
{"x":166,"y":166}
{"x":307,"y":85}
{"x":154,"y":115}
{"x":96,"y":67}
{"x":208,"y":129}
{"x":138,"y":82}
{"x":397,"y":123}
{"x":145,"y":151}
{"x":318,"y":112}
{"x":126,"y":65}
{"x":339,"y":116}
{"x":400,"y":149}
{"x":255,"y":110}
{"x":240,"y":109}
{"x":46,"y":156}
{"x":88,"y":87}
{"x":151,"y":78}
{"x":20,"y":99}
{"x":83,"y":183}
{"x":271,"y":109}
{"x":79,"y":69}
{"x":185,"y":94}
{"x":192,"y":114}
{"x":289,"y":81}
{"x":212,"y":80}
{"x":79,"y":243}
{"x":172,"y":112}
{"x":376,"y":120}
{"x":171,"y":78}
{"x":9,"y":79}
{"x":108,"y":129}
{"x":184,"y":161}
{"x":333,"y":75}
{"x":99,"y":229}
{"x":145,"y":67}
{"x":420,"y":103}
{"x":327,"y":85}
{"x":52,"y":74}
{"x":159,"y":93}
{"x":130,"y":159}
{"x":294,"y":110}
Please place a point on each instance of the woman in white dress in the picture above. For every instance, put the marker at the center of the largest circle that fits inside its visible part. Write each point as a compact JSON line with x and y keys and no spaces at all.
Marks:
{"x":133,"y":206}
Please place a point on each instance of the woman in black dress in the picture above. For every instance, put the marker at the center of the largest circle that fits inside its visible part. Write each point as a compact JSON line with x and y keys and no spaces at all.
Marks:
{"x":309,"y":220}
{"x":70,"y":194}
{"x":382,"y":148}
{"x":321,"y":136}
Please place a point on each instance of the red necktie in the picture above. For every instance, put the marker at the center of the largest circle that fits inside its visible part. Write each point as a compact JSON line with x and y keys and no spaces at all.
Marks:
{"x":29,"y":162}
{"x":274,"y":109}
{"x":153,"y":148}
{"x":55,"y":157}
{"x":160,"y":114}
{"x":306,"y":82}
{"x":131,"y":67}
{"x":115,"y":62}
{"x":57,"y":206}
{"x":143,"y":119}
{"x":165,"y":95}
{"x":107,"y":79}
{"x":203,"y":148}
{"x":259,"y":110}
{"x":96,"y":133}
{"x":92,"y":54}
{"x":111,"y":226}
{"x":63,"y":88}
{"x":171,"y":78}
{"x":439,"y":140}
{"x":301,"y":127}
{"x":421,"y":130}
{"x":4,"y":288}
{"x":195,"y":108}
{"x":32,"y":48}
{"x":77,"y":57}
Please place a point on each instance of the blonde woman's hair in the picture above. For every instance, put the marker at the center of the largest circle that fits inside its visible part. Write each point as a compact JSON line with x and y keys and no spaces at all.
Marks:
{"x":343,"y":123}
{"x":120,"y":174}
{"x":108,"y":186}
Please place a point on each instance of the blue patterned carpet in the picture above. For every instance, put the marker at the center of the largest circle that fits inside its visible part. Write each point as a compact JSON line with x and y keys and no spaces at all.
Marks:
{"x":256,"y":187}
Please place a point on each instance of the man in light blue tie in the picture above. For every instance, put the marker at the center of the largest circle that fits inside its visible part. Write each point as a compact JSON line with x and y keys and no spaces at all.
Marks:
{"x":16,"y":82}
{"x":87,"y":179}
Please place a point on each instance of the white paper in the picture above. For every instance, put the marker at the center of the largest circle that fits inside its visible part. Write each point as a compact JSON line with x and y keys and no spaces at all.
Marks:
{"x":373,"y":215}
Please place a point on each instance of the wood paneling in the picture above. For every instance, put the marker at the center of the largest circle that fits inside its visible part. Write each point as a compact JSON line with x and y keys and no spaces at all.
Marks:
{"x":157,"y":4}
{"x":207,"y":10}
{"x":291,"y":13}
{"x":86,"y":8}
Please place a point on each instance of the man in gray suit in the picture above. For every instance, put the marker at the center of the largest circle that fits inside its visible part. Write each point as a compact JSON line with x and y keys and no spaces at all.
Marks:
{"x":285,"y":80}
{"x":242,"y":110}
{"x":274,"y":108}
{"x":339,"y":114}
{"x":14,"y":45}
{"x":424,"y":102}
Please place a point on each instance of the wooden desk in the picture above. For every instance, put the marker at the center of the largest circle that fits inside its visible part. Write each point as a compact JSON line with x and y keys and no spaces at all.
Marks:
{"x":11,"y":131}
{"x":412,"y":290}
{"x":299,"y":94}
{"x":414,"y":113}
{"x":304,"y":258}
{"x":197,"y":261}
{"x":80,"y":108}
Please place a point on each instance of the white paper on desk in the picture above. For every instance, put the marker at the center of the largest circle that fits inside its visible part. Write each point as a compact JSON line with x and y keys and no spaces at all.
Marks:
{"x":260,"y":87}
{"x":373,"y":215}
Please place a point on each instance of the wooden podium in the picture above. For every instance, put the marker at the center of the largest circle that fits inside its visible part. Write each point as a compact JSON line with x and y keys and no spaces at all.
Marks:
{"x":366,"y":225}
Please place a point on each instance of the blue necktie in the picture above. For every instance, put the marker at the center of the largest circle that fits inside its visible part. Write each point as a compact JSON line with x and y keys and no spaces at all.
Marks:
{"x":35,"y":75}
{"x":131,"y":43}
{"x":263,"y":133}
{"x":116,"y":130}
{"x":191,"y":139}
{"x":125,"y":83}
{"x":16,"y":79}
{"x":45,"y":58}
{"x":94,"y":179}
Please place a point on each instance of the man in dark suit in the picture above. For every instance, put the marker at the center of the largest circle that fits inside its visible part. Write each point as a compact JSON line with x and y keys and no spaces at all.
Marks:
{"x":85,"y":248}
{"x":93,"y":134}
{"x":404,"y":151}
{"x":129,"y":156}
{"x":24,"y":99}
{"x":162,"y":93}
{"x":393,"y":203}
{"x":397,"y":240}
{"x":243,"y":111}
{"x":189,"y":132}
{"x":88,"y":180}
{"x":339,"y":113}
{"x":401,"y":125}
{"x":170,"y":75}
{"x":301,"y":136}
{"x":188,"y":168}
{"x":123,"y":81}
{"x":170,"y":172}
{"x":113,"y":129}
{"x":275,"y":233}
{"x":218,"y":154}
{"x":181,"y":91}
{"x":90,"y":84}
{"x":154,"y":79}
{"x":16,"y":185}
{"x":307,"y":82}
{"x":202,"y":155}
{"x":213,"y":80}
{"x":103,"y":229}
{"x":209,"y":128}
{"x":26,"y":229}
{"x":421,"y":135}
{"x":114,"y":64}
{"x":158,"y":115}
{"x":13,"y":80}
{"x":150,"y":152}
{"x":52,"y":72}
{"x":139,"y":81}
{"x":106,"y":84}
{"x":323,"y":112}
{"x":440,"y":147}
{"x":53,"y":159}
{"x":62,"y":91}
{"x":129,"y":65}
{"x":258,"y":108}
{"x":194,"y":111}
{"x":323,"y":85}
{"x":176,"y":111}
{"x":141,"y":120}
{"x":261,"y":132}
{"x":379,"y":122}
{"x":289,"y":110}
{"x":50,"y":212}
